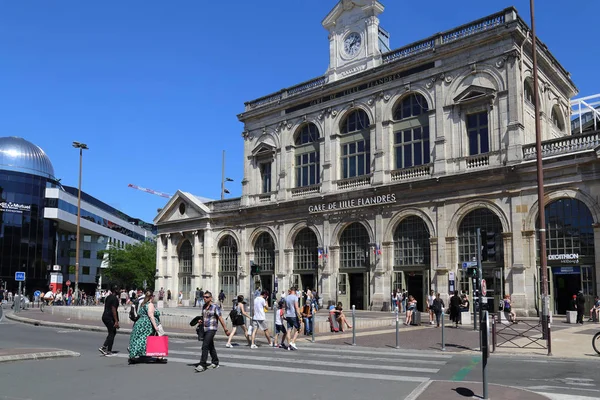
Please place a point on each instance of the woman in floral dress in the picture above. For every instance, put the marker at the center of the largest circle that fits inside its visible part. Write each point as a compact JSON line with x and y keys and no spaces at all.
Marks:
{"x":149,"y":318}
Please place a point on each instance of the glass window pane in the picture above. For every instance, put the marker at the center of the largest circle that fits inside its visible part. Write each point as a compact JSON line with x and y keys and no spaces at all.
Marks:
{"x":417,"y":151}
{"x":484,"y":140}
{"x":361,"y":164}
{"x":407,"y":156}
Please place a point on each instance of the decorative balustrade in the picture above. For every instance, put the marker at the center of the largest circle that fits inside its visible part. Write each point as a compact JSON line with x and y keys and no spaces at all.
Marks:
{"x":303,"y":87}
{"x":478,"y":161}
{"x":225,"y":205}
{"x":265,"y":198}
{"x":472,"y":28}
{"x":429,"y":44}
{"x":563,"y":145}
{"x":410,"y":173}
{"x":306,"y":190}
{"x":408,"y":51}
{"x":353,"y":183}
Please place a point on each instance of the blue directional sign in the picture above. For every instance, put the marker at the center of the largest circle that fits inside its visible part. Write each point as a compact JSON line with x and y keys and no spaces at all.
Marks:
{"x":468,"y":264}
{"x":37,"y":293}
{"x":20,"y":276}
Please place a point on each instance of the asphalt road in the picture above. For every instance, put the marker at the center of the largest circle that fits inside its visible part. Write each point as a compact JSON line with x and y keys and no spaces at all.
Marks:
{"x":315,"y":371}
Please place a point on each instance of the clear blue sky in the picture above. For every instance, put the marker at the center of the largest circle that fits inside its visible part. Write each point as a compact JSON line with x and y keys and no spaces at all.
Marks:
{"x":154,"y":87}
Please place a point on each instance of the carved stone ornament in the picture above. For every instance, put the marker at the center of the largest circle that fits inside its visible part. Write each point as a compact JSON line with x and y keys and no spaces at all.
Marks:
{"x":448,"y":79}
{"x":245,"y":135}
{"x":371,"y":101}
{"x":321,"y":115}
{"x":384,"y":97}
{"x":332,"y":112}
{"x":501,"y":62}
{"x":431,"y":82}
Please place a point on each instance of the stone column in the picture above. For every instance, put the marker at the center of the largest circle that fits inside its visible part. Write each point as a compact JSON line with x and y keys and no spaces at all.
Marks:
{"x":377,"y":148}
{"x":161,"y":262}
{"x":198,"y":260}
{"x":333,"y":269}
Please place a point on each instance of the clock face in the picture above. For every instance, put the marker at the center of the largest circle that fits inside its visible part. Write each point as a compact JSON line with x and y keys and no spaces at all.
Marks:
{"x":352,"y":44}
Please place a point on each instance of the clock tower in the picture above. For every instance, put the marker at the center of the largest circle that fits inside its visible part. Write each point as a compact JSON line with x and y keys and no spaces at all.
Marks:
{"x":353,"y":27}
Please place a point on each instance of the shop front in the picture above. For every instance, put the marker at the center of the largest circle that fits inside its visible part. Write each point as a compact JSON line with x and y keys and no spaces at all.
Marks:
{"x":570,"y":254}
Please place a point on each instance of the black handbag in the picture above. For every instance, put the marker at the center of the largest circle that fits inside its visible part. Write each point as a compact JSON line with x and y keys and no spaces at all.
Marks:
{"x":199,"y":321}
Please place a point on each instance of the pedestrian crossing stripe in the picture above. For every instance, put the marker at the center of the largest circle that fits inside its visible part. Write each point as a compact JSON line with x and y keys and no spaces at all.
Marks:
{"x":339,"y":374}
{"x":228,"y":355}
{"x":392,"y":354}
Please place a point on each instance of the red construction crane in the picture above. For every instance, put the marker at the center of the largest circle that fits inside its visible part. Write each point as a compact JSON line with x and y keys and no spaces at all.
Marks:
{"x":161,"y":194}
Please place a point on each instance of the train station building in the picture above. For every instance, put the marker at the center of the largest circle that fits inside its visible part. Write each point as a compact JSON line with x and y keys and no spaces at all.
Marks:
{"x":376,"y":175}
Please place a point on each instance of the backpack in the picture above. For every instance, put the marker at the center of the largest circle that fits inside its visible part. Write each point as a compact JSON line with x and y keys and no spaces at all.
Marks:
{"x":133,"y":311}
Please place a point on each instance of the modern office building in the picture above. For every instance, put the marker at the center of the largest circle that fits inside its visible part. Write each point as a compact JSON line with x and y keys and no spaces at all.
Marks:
{"x":376,"y":175}
{"x":38,"y":220}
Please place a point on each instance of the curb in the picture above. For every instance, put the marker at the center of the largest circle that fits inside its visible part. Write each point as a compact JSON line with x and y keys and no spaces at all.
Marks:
{"x":88,"y":328}
{"x":39,"y":356}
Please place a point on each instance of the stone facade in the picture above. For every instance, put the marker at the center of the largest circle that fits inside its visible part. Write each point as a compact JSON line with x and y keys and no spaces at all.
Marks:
{"x":335,"y":197}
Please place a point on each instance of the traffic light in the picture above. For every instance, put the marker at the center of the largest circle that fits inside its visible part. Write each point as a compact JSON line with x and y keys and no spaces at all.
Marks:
{"x":473,"y":272}
{"x":488,"y":246}
{"x":254,"y":268}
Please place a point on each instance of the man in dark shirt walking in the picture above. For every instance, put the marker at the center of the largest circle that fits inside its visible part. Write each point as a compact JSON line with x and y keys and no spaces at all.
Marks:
{"x":580,"y":307}
{"x":110,"y":318}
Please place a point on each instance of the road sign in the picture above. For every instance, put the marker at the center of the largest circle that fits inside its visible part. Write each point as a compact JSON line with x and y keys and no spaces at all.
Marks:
{"x":68,"y":283}
{"x":20,"y":276}
{"x":37,"y":293}
{"x":468,"y":264}
{"x":483,"y":287}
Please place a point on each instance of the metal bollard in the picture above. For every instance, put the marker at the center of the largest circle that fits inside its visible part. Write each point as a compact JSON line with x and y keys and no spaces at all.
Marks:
{"x":397,"y":330}
{"x":493,"y":333}
{"x":353,"y":325}
{"x":443,"y":337}
{"x":313,"y":324}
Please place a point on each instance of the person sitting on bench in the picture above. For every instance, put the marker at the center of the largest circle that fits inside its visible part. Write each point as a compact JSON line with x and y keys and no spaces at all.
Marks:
{"x":340,"y":317}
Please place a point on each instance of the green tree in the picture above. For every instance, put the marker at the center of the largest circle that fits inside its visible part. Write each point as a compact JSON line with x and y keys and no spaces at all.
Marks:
{"x":128,"y":267}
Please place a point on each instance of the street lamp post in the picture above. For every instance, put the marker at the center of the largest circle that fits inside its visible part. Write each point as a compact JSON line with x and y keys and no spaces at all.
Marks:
{"x":540,"y":180}
{"x":81,"y":147}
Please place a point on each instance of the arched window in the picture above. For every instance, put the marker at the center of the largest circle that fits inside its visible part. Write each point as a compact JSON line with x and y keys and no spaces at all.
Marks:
{"x":308,"y":164}
{"x":487,"y":221}
{"x":356,"y":121}
{"x":264,"y":252}
{"x":411,"y":132}
{"x":185,"y":269}
{"x":411,"y":242}
{"x":305,"y":250}
{"x":557,"y":119}
{"x":356,"y":151}
{"x":569,"y":227}
{"x":354,"y":246}
{"x":228,"y":255}
{"x":528,"y":90}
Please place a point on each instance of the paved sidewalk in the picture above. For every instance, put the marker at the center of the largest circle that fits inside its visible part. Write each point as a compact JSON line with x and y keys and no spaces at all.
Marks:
{"x":461,"y":390}
{"x":568,"y":341}
{"x":7,"y":355}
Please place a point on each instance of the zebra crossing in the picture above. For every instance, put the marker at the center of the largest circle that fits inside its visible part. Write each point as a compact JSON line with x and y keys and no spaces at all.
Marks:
{"x":373,"y":364}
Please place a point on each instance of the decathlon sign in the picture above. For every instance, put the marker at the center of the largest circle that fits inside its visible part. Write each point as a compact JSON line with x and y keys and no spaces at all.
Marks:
{"x":564,"y":258}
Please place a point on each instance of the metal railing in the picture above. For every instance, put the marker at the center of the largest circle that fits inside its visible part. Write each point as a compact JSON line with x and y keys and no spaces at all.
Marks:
{"x":521,"y":335}
{"x":583,"y":111}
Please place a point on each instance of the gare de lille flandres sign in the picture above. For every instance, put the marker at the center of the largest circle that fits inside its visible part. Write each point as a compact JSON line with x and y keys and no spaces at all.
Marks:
{"x":352,"y":203}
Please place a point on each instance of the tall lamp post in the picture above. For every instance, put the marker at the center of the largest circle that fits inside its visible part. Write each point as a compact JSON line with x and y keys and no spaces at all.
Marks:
{"x":540,"y":181}
{"x":81,"y":147}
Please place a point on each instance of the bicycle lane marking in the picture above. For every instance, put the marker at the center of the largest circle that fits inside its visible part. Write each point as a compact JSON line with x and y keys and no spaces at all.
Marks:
{"x":464,"y":371}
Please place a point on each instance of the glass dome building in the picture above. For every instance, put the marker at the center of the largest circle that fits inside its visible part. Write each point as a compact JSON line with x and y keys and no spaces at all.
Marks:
{"x":27,"y":240}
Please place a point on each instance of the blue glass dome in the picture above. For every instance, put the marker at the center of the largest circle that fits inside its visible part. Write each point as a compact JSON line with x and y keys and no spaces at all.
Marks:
{"x":17,"y":154}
